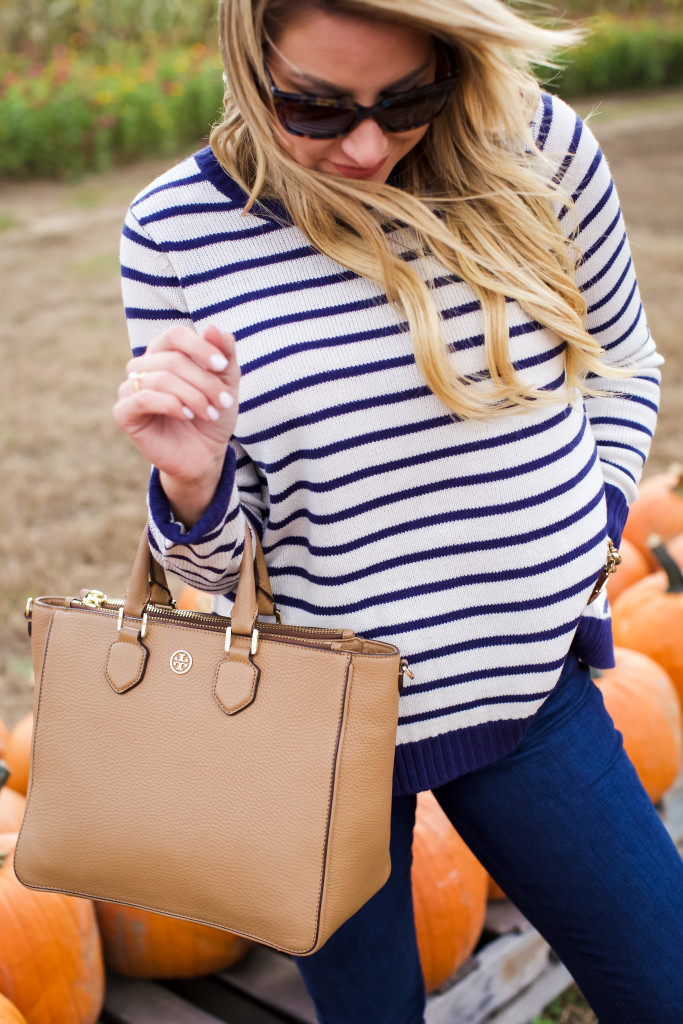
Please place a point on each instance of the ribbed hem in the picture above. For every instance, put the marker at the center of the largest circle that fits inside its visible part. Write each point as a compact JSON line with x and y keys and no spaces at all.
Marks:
{"x":432,"y":762}
{"x":593,"y":642}
{"x":617,"y":512}
{"x":163,"y":516}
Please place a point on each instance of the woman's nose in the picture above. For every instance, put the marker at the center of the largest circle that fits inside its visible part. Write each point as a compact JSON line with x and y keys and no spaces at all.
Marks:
{"x":366,"y":145}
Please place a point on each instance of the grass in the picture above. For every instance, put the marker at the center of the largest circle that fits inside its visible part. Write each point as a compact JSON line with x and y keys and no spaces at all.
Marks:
{"x":568,"y":1008}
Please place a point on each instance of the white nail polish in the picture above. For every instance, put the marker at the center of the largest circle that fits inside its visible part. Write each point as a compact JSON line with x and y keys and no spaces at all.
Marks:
{"x":218,"y":361}
{"x":213,"y":413}
{"x":188,"y":412}
{"x":225,"y":399}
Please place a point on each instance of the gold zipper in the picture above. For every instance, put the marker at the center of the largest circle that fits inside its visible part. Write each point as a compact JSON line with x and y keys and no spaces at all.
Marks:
{"x":96,"y":599}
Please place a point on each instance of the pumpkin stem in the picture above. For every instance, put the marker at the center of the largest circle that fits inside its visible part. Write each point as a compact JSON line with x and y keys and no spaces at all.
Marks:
{"x":668,"y":564}
{"x":677,"y":468}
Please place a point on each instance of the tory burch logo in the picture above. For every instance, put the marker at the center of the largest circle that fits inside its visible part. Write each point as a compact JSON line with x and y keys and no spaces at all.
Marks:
{"x":181,"y":662}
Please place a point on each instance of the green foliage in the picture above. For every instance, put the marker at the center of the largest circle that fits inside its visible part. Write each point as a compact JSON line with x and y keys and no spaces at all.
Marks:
{"x":586,"y":8}
{"x":618,"y":54}
{"x":99,"y":26}
{"x":73,"y":115}
{"x":79,"y":110}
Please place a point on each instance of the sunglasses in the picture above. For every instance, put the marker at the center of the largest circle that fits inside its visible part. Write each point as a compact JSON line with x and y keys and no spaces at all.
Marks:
{"x":316,"y":117}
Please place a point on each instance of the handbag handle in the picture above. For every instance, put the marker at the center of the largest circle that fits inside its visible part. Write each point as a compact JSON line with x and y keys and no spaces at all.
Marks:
{"x":237,"y":676}
{"x":148,"y":584}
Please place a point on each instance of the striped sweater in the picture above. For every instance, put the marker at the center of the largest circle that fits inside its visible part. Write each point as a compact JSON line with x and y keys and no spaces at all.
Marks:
{"x":472,"y":546}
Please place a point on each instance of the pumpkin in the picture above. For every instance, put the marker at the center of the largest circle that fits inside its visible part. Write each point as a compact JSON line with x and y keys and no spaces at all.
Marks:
{"x":18,"y":753}
{"x":648,"y":617}
{"x":51,"y":964}
{"x":12,"y":804}
{"x":142,"y":944}
{"x":449,"y":894}
{"x":633,"y":567}
{"x":9,"y":1013}
{"x":495,"y":892}
{"x":644,"y":706}
{"x":4,"y":733}
{"x":657,"y":509}
{"x":194,"y":600}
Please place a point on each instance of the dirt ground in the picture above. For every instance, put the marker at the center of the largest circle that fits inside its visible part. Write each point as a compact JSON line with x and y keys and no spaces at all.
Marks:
{"x":73,"y":488}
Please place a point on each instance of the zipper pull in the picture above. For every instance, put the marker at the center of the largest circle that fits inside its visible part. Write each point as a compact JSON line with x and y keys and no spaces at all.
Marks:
{"x":403,"y":670}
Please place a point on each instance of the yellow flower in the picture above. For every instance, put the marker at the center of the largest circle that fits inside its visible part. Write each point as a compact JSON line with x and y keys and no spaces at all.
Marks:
{"x":104,"y":96}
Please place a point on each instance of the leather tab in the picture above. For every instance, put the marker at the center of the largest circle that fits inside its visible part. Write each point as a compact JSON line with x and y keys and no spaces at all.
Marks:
{"x":127,"y":660}
{"x":237,"y":677}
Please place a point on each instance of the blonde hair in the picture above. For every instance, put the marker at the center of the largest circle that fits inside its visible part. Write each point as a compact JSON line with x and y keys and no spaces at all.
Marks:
{"x":475,"y":192}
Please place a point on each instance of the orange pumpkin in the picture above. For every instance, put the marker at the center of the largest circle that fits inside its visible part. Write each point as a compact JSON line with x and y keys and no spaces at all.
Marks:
{"x":657,"y":509}
{"x":194,"y":600}
{"x":18,"y":753}
{"x":9,"y":1013}
{"x":495,"y":892}
{"x":12,"y":804}
{"x":449,"y":893}
{"x":634,"y":566}
{"x":50,"y":952}
{"x":4,"y":733}
{"x":142,"y":944}
{"x":644,"y":706}
{"x":648,"y":617}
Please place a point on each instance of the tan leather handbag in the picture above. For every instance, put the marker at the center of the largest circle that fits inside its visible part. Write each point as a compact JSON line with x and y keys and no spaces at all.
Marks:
{"x":229,"y":771}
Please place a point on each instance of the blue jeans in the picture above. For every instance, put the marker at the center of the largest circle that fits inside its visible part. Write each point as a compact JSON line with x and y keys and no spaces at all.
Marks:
{"x":566,"y":829}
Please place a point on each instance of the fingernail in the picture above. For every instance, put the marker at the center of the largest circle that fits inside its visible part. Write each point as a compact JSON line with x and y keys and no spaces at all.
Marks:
{"x":213,"y":413}
{"x":188,"y":412}
{"x":225,"y":399}
{"x":218,"y":361}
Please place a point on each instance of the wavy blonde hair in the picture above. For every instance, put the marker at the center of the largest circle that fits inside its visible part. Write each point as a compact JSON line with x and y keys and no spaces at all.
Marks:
{"x":475,"y":192}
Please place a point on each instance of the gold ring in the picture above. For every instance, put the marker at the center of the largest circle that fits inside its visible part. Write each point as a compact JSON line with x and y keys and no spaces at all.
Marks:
{"x":138,"y":378}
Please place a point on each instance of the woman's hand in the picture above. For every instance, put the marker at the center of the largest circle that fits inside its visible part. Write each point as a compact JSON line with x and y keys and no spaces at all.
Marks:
{"x":179,"y":406}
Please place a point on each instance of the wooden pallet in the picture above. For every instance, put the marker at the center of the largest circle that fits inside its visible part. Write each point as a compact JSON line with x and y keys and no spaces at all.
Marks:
{"x":511,"y":976}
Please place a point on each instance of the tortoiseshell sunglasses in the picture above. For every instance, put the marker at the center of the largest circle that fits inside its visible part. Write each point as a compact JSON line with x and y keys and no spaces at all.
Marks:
{"x":317,"y":117}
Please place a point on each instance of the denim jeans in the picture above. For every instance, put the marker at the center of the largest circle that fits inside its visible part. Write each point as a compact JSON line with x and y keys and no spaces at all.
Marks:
{"x":566,"y":829}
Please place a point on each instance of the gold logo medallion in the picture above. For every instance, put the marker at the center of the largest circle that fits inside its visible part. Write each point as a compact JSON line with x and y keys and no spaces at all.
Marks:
{"x":181,"y":662}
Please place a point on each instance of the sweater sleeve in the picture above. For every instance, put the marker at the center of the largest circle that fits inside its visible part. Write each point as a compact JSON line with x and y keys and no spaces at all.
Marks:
{"x":623,"y":421}
{"x":209,"y":555}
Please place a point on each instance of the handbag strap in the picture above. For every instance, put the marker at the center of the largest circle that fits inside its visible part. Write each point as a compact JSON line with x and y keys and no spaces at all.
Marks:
{"x":148,"y":584}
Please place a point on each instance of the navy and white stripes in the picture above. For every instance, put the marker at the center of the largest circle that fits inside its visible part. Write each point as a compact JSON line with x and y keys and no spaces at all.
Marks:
{"x":471,"y":546}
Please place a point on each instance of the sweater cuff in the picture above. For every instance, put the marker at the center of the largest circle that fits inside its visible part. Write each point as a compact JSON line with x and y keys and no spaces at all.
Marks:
{"x":173,"y":531}
{"x":617,"y":511}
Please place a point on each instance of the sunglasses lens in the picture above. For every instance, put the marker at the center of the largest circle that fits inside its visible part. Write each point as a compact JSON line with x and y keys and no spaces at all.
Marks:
{"x":402,"y":115}
{"x":313,"y":120}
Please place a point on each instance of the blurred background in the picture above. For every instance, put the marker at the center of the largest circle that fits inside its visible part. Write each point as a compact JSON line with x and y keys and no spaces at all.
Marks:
{"x":97,"y":97}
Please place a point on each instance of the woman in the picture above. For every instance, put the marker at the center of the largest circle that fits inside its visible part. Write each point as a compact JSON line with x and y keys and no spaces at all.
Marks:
{"x":434,"y":415}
